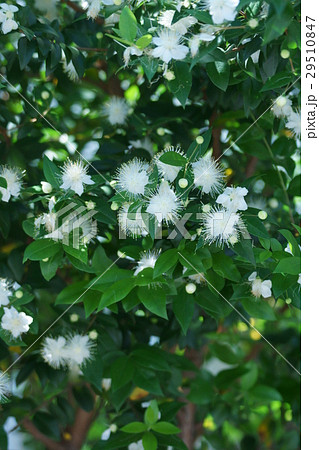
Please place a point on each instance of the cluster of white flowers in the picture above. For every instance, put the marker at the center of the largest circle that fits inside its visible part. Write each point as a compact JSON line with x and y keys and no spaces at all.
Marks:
{"x":222,"y":224}
{"x":260,"y":288}
{"x":73,"y":351}
{"x":282,"y":108}
{"x":5,"y":292}
{"x":13,"y":179}
{"x":94,"y":6}
{"x":7,"y":18}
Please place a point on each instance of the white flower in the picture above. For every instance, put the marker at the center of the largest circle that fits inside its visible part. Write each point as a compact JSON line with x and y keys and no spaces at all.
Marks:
{"x":46,"y":187}
{"x":181,"y":26}
{"x":195,"y":41}
{"x":198,"y":278}
{"x":7,"y":18}
{"x":5,"y":292}
{"x":94,"y":9}
{"x":13,"y":179}
{"x":112,"y":19}
{"x":15,"y":322}
{"x":132,"y":177}
{"x":164,"y":204}
{"x":145,"y":144}
{"x":48,"y":7}
{"x":78,"y":349}
{"x":107,"y":433}
{"x":294,"y":123}
{"x":208,"y":175}
{"x":5,"y":388}
{"x":106,"y":383}
{"x":131,"y":223}
{"x":74,"y":176}
{"x":167,"y":171}
{"x":147,"y":260}
{"x":233,"y":199}
{"x":131,"y":51}
{"x":53,"y":351}
{"x":222,"y":10}
{"x":168,"y":46}
{"x":136,"y":446}
{"x":70,"y":70}
{"x":116,"y":110}
{"x":282,"y":107}
{"x":260,"y":288}
{"x":222,"y":226}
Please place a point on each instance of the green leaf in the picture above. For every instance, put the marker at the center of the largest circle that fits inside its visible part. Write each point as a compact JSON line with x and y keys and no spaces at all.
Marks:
{"x":191,"y":261}
{"x":3,"y":183}
{"x":165,"y":261}
{"x":116,"y":292}
{"x":116,"y":441}
{"x":147,"y":380}
{"x":144,"y":41}
{"x":134,"y":427}
{"x":151,"y":358}
{"x":258,"y":309}
{"x":51,"y":172}
{"x":265,"y":393}
{"x":291,"y":239}
{"x":182,"y":83}
{"x":290,"y":265}
{"x":218,"y":72}
{"x":83,"y":396}
{"x":49,"y":268}
{"x":277,"y":81}
{"x":224,"y":266}
{"x":26,"y":49}
{"x":256,"y":227}
{"x":41,"y":249}
{"x":154,"y":299}
{"x":152,"y":413}
{"x":128,"y":24}
{"x":165,"y":428}
{"x":122,"y":371}
{"x":183,"y":307}
{"x":149,"y":441}
{"x":226,"y":353}
{"x":173,"y":159}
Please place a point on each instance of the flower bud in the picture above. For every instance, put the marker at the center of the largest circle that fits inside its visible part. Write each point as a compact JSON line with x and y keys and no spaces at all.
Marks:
{"x":190,"y":288}
{"x":183,"y":183}
{"x":199,"y":140}
{"x":262,"y":215}
{"x":253,"y":23}
{"x":46,"y":187}
{"x":114,"y":206}
{"x":285,"y":54}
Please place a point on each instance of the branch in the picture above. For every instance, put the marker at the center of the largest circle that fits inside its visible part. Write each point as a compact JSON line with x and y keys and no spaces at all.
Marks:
{"x":48,"y":442}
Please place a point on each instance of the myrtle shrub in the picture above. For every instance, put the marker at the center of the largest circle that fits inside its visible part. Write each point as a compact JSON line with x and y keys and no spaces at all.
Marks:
{"x":150,"y":224}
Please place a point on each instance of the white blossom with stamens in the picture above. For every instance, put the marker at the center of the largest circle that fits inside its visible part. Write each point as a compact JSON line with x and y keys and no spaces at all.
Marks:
{"x":7,"y":18}
{"x":168,"y":171}
{"x":131,"y":224}
{"x":5,"y":388}
{"x":294,"y":123}
{"x":78,"y":349}
{"x":15,"y":322}
{"x":222,"y":226}
{"x":13,"y":178}
{"x":74,"y":176}
{"x":5,"y":292}
{"x":232,"y":199}
{"x":208,"y":176}
{"x":148,"y":259}
{"x":164,"y":204}
{"x":132,"y":177}
{"x":116,"y":110}
{"x":282,"y":106}
{"x":53,"y":351}
{"x":168,"y":46}
{"x":260,"y":288}
{"x":222,"y":10}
